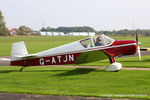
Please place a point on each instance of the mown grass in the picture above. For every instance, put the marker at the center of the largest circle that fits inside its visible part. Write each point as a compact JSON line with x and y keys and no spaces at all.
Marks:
{"x":35,"y":43}
{"x":125,"y":61}
{"x":39,"y":43}
{"x":75,"y":82}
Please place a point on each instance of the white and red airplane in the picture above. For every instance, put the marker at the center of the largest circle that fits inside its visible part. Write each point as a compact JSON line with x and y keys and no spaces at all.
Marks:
{"x":82,"y":51}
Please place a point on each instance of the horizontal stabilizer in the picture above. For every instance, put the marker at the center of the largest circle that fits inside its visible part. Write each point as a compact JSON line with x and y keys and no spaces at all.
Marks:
{"x":26,"y":56}
{"x":145,"y":49}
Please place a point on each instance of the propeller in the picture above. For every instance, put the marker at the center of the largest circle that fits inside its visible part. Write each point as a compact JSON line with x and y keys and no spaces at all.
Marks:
{"x":138,"y":46}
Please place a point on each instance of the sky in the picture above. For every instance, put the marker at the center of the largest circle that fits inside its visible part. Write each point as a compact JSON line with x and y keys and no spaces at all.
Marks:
{"x":99,"y":14}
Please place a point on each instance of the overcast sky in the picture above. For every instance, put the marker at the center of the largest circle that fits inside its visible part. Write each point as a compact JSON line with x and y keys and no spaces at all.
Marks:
{"x":99,"y":14}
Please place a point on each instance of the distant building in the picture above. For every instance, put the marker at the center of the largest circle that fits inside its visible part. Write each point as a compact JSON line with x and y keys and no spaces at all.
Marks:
{"x":82,"y":34}
{"x":52,"y":33}
{"x":67,"y":34}
{"x":12,"y":31}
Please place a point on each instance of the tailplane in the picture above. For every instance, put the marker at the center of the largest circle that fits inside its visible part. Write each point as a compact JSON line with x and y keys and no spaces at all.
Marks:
{"x":18,"y":51}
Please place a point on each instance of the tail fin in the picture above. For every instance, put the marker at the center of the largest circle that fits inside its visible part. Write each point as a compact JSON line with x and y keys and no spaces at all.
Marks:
{"x":18,"y":50}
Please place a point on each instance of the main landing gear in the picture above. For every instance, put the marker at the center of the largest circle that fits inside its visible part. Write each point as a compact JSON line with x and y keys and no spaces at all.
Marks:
{"x":114,"y":66}
{"x":24,"y":65}
{"x":21,"y":69}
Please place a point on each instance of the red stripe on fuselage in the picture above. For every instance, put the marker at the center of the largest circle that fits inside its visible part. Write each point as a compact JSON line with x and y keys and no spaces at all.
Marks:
{"x":51,"y":60}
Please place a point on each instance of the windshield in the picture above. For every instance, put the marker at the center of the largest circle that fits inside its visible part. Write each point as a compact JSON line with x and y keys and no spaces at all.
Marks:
{"x":87,"y":42}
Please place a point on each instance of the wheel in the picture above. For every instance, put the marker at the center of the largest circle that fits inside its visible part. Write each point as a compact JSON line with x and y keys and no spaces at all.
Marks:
{"x":21,"y":69}
{"x":114,"y":67}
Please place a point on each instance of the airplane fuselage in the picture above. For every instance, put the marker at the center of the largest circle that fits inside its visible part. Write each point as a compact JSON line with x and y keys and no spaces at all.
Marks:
{"x":65,"y":55}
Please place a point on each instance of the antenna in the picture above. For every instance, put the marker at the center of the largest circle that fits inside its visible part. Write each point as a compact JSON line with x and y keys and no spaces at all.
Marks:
{"x":43,"y":23}
{"x":133,"y":25}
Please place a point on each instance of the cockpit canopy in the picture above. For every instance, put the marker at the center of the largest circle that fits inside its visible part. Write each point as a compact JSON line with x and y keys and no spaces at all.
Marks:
{"x":100,"y":40}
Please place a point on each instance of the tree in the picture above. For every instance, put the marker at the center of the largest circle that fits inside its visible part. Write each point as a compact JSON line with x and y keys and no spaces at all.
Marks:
{"x":24,"y":30}
{"x":3,"y":29}
{"x":43,"y":29}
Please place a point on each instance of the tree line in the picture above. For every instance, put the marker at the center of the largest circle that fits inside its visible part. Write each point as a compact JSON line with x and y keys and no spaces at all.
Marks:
{"x":143,"y":32}
{"x":68,"y":29}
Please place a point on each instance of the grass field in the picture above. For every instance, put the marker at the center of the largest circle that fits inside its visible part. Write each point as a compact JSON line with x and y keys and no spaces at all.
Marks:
{"x":35,"y":43}
{"x":126,"y":62}
{"x":76,"y":82}
{"x":38,"y":43}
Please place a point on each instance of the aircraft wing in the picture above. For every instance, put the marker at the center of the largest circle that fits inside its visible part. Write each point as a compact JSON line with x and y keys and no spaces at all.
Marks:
{"x":91,"y":56}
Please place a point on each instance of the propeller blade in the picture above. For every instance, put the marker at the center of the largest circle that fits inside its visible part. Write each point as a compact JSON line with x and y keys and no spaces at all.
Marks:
{"x":138,"y":46}
{"x":139,"y":53}
{"x":137,"y":40}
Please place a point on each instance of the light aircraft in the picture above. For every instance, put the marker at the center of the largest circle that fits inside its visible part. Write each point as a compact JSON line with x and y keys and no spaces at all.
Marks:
{"x":82,"y":51}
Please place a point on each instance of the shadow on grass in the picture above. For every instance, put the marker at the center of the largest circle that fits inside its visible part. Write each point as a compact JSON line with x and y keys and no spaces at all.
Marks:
{"x":7,"y":71}
{"x":77,"y":71}
{"x":44,"y":70}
